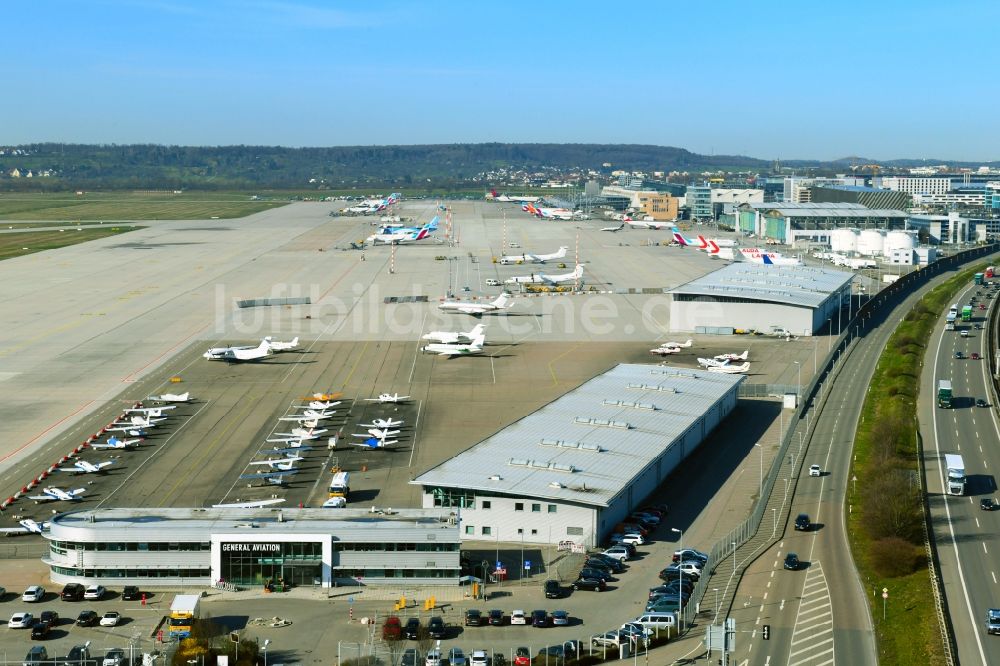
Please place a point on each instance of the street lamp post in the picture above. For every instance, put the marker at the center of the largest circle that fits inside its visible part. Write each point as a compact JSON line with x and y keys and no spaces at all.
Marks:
{"x":264,"y":649}
{"x":734,"y":559}
{"x":798,"y":381}
{"x":774,"y":521}
{"x":680,"y":604}
{"x":716,"y":590}
{"x":760,"y":479}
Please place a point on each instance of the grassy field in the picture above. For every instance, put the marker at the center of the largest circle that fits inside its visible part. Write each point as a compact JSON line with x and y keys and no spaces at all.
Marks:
{"x":19,"y":244}
{"x":67,"y":206}
{"x":910,"y":632}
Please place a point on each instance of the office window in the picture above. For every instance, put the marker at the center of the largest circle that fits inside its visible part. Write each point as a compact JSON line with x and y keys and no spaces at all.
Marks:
{"x":552,"y":508}
{"x":469,"y":529}
{"x":487,"y":504}
{"x":520,"y":531}
{"x":518,"y":506}
{"x":536,"y":508}
{"x":534,"y":532}
{"x":487,"y":531}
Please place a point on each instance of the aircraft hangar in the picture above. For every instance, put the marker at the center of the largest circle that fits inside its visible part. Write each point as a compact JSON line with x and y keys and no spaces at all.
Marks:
{"x":574,"y":469}
{"x":750,"y":296}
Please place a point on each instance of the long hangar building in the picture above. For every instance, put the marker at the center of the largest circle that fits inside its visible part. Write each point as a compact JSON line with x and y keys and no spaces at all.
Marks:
{"x":574,"y":469}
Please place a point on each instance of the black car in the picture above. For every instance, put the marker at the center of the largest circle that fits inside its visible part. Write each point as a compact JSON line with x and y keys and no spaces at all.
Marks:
{"x":590,"y":572}
{"x":40,"y":630}
{"x":802,"y":522}
{"x":473,"y":618}
{"x":595,"y":584}
{"x":49,"y":616}
{"x":88,"y":618}
{"x":792,"y":562}
{"x":540,"y":619}
{"x":614,"y":566}
{"x":435,"y":627}
{"x":72,"y":592}
{"x":131,"y":593}
{"x":670,"y":574}
{"x":987,"y":504}
{"x":412,"y":628}
{"x":981,"y":403}
{"x":660,"y":590}
{"x":553,"y":590}
{"x":497,"y":618}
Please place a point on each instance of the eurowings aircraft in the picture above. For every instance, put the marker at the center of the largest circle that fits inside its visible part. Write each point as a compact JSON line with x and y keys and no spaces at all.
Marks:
{"x":507,"y":198}
{"x":375,"y":443}
{"x":172,"y":397}
{"x":382,"y":423}
{"x":502,"y":302}
{"x":400,"y":228}
{"x":27,"y":526}
{"x":711,"y":363}
{"x":548,"y":213}
{"x":717,"y":252}
{"x":613,"y":229}
{"x":115,"y":443}
{"x":248,"y":505}
{"x":84,"y":467}
{"x":374,"y":205}
{"x":398,"y":237}
{"x":733,"y":357}
{"x":474,"y":347}
{"x":279,"y":346}
{"x":56,"y":494}
{"x":731,"y":369}
{"x":689,"y":243}
{"x":235,"y":354}
{"x":387,"y":397}
{"x":533,"y":258}
{"x":446,"y":337}
{"x":541,"y":278}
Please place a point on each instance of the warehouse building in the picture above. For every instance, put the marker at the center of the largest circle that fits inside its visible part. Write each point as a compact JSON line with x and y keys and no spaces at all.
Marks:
{"x":248,"y":547}
{"x":791,"y":222}
{"x":574,"y":469}
{"x":750,"y":296}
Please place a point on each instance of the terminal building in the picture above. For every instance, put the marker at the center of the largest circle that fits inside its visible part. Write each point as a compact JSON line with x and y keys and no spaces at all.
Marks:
{"x":752,"y":296}
{"x":577,"y":467}
{"x":248,"y":547}
{"x":791,"y":222}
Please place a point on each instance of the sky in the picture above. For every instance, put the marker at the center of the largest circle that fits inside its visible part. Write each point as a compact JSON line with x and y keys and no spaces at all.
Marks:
{"x":774,"y":80}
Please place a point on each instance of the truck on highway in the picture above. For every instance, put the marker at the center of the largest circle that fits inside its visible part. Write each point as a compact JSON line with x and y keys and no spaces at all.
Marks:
{"x":183,"y":615}
{"x":949,"y":321}
{"x":967,"y":313}
{"x":978,"y":278}
{"x":956,"y":473}
{"x":944,"y":394}
{"x":993,"y":621}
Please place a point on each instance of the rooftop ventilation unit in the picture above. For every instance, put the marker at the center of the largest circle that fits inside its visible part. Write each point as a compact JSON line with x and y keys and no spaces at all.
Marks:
{"x":540,"y":464}
{"x":555,"y":484}
{"x":518,"y":462}
{"x":560,"y":467}
{"x":496,"y":477}
{"x":603,"y":423}
{"x":633,"y":405}
{"x":653,"y":387}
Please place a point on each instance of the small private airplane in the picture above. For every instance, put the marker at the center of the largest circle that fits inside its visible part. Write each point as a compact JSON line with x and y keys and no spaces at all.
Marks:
{"x":468,"y":349}
{"x":711,"y":363}
{"x":171,"y":397}
{"x":115,"y":443}
{"x":541,"y":278}
{"x":533,"y":258}
{"x":447,"y":337}
{"x":733,"y":357}
{"x":318,"y":404}
{"x":57,"y":495}
{"x":27,"y":526}
{"x":84,"y":467}
{"x":502,"y":302}
{"x":150,"y":411}
{"x":614,"y":229}
{"x":308,"y":416}
{"x":730,"y":369}
{"x":299,"y":433}
{"x":388,"y":397}
{"x":277,"y":478}
{"x":382,"y":423}
{"x":248,"y":505}
{"x":664,"y":350}
{"x":138,"y":422}
{"x":279,"y":346}
{"x":283,"y":464}
{"x":378,"y":432}
{"x":237,"y":354}
{"x":288,"y":451}
{"x":376,"y":443}
{"x":678,"y":344}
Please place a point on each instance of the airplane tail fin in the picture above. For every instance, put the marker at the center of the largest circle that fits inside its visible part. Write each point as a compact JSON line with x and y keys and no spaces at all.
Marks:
{"x":702,"y":243}
{"x":433,"y":224}
{"x":423,"y":233}
{"x":479,"y":341}
{"x":493,"y":193}
{"x":502,"y":300}
{"x":766,"y":259}
{"x":476,"y":331}
{"x":295,"y":341}
{"x":561,"y":253}
{"x":680,"y":239}
{"x":265,"y":346}
{"x":713,"y":248}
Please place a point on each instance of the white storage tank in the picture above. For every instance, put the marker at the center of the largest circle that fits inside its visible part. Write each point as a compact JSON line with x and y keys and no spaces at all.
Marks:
{"x":900,"y":240}
{"x":843,"y":240}
{"x":870,"y":242}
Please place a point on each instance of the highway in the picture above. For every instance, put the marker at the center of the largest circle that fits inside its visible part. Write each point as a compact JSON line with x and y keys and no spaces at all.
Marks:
{"x":965,"y":535}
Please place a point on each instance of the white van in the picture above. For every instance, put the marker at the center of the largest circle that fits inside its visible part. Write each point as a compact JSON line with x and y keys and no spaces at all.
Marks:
{"x":658,"y":622}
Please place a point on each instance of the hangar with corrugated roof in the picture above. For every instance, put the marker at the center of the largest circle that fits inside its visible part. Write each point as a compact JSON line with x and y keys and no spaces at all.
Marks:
{"x":750,"y":296}
{"x":575,"y":468}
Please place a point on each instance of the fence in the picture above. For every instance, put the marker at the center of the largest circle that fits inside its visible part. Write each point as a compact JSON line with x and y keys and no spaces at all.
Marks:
{"x":264,"y":302}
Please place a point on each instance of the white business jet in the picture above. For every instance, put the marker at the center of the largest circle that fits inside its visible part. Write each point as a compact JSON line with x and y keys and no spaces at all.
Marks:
{"x":474,"y":347}
{"x":447,"y":337}
{"x":84,"y":467}
{"x":171,"y":397}
{"x":115,"y":443}
{"x":278,"y":346}
{"x":57,"y":495}
{"x":541,"y":278}
{"x":533,"y":258}
{"x":502,"y":302}
{"x":27,"y":526}
{"x":731,"y":369}
{"x":388,"y":397}
{"x":614,"y":229}
{"x":236,"y":354}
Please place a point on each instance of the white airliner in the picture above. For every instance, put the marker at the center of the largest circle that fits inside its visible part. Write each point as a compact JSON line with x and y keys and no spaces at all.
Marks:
{"x":150,"y":411}
{"x":541,"y":278}
{"x":279,"y":346}
{"x":447,"y":337}
{"x":650,"y":224}
{"x":733,"y":357}
{"x":56,"y":494}
{"x":248,"y":505}
{"x":474,"y":347}
{"x":84,"y":467}
{"x":382,"y":423}
{"x":502,"y":302}
{"x":403,"y":236}
{"x":731,"y":369}
{"x":387,"y":397}
{"x":711,"y":363}
{"x":614,"y":229}
{"x":115,"y":443}
{"x":720,"y":242}
{"x":27,"y":526}
{"x":236,"y":354}
{"x":533,"y":258}
{"x":172,"y":397}
{"x":758,"y":256}
{"x":374,"y":205}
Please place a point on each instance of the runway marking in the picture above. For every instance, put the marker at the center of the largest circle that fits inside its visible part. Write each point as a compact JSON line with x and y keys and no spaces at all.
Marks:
{"x":555,"y":382}
{"x":416,"y":424}
{"x":361,"y":355}
{"x":42,"y":433}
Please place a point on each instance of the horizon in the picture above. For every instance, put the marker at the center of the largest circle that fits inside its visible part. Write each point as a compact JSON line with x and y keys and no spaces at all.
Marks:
{"x":803,"y":85}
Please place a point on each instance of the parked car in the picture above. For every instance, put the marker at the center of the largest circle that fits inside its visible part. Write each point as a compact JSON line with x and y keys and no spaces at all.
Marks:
{"x":663,"y":605}
{"x":433,"y":657}
{"x":87,"y":618}
{"x":72,"y":592}
{"x":619,"y":553}
{"x":600,"y":565}
{"x":689,"y":568}
{"x":94,"y":593}
{"x":33,"y":594}
{"x":36,"y":655}
{"x":111,"y":619}
{"x":611,"y":638}
{"x":456,"y":657}
{"x":802,"y":522}
{"x":412,"y":628}
{"x":410,"y":657}
{"x":392,"y":629}
{"x":40,"y":630}
{"x":636,"y":629}
{"x":613,"y":566}
{"x":671,"y":574}
{"x":522,"y":657}
{"x":560,"y":618}
{"x":435,"y":627}
{"x":473,"y":618}
{"x":479,"y":658}
{"x":116,"y":657}
{"x":497,"y":618}
{"x":20,"y":621}
{"x":792,"y":562}
{"x":671,"y":592}
{"x":594,"y":584}
{"x":815,"y":470}
{"x":553,"y":590}
{"x":591,"y":572}
{"x":131,"y":593}
{"x":493,"y":282}
{"x":629,"y":537}
{"x":540,"y":619}
{"x":518,"y":617}
{"x":49,"y":616}
{"x":689,"y":554}
{"x":79,"y":654}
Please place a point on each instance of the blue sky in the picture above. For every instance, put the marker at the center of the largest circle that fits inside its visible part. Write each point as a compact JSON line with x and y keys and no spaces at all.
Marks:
{"x":768,"y":79}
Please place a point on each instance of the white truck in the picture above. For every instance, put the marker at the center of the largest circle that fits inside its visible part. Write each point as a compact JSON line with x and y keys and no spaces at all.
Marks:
{"x":956,"y":473}
{"x":860,"y":263}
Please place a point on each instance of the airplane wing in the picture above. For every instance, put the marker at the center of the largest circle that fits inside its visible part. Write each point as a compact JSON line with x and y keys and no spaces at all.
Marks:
{"x":270,"y":475}
{"x":248,"y":505}
{"x":293,"y":449}
{"x":10,"y":531}
{"x":43,"y":498}
{"x":471,"y":310}
{"x":172,"y":397}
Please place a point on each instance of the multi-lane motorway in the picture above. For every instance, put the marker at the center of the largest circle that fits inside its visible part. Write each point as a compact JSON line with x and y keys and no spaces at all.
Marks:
{"x":966,"y":536}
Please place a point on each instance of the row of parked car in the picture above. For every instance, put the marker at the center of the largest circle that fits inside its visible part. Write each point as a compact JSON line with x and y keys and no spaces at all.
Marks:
{"x":74,"y":592}
{"x":79,"y":654}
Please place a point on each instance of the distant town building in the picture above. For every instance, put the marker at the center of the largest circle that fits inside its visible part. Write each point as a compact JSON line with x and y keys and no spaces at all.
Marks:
{"x":917,"y":185}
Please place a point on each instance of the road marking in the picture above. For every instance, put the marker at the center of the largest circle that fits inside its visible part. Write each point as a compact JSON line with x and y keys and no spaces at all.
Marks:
{"x":813,"y":620}
{"x":781,"y":606}
{"x":984,"y":548}
{"x":977,"y":522}
{"x":994,"y":577}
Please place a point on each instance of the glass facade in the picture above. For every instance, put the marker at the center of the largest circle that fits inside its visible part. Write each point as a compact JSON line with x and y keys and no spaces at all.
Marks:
{"x":141,"y":572}
{"x":295,"y":563}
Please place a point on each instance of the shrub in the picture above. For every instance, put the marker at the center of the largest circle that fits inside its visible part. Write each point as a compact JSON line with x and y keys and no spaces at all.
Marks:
{"x":893,"y":557}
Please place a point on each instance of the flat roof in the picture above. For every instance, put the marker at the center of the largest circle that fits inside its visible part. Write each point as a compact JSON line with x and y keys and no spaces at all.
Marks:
{"x":589,"y":444}
{"x":804,"y":286}
{"x":838,"y":209}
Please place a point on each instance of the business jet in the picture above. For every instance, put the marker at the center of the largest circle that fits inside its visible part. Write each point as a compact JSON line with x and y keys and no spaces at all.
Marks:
{"x":731,"y":369}
{"x":84,"y":467}
{"x":115,"y":443}
{"x":449,"y":350}
{"x":57,"y":495}
{"x":733,"y":357}
{"x":614,"y":229}
{"x":376,"y":443}
{"x":279,"y":346}
{"x":249,"y":505}
{"x":277,"y":478}
{"x":387,"y":397}
{"x":649,"y":224}
{"x":711,"y":363}
{"x":27,"y":526}
{"x":150,"y":411}
{"x":171,"y":397}
{"x":382,"y":423}
{"x":540,"y":278}
{"x":533,"y":258}
{"x":502,"y":302}
{"x":236,"y":354}
{"x":447,"y":337}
